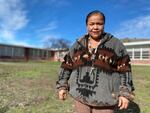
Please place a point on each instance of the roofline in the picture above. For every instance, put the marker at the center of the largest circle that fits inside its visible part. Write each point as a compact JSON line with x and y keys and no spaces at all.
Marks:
{"x":125,"y":43}
{"x":137,"y":43}
{"x":22,"y":46}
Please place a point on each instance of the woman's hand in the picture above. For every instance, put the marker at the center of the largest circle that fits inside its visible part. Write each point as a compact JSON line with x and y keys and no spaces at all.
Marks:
{"x":123,"y":102}
{"x":62,"y":94}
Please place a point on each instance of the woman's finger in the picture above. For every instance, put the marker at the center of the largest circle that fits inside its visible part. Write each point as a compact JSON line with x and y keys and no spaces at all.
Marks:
{"x":123,"y":103}
{"x":62,"y":94}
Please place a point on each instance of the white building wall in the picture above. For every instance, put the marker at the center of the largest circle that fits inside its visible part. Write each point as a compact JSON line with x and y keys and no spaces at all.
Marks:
{"x":139,"y":53}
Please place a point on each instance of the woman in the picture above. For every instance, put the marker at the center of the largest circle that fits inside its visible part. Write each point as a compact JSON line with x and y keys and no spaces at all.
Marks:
{"x":96,"y":71}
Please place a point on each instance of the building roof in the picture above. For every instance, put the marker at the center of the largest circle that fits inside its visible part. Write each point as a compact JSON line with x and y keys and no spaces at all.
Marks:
{"x":137,"y":43}
{"x":22,"y":46}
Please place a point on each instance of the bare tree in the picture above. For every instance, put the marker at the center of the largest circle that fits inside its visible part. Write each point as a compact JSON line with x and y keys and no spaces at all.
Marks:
{"x":57,"y":43}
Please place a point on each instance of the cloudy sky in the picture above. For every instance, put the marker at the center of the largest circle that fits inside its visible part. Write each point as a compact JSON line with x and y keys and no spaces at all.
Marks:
{"x":32,"y":22}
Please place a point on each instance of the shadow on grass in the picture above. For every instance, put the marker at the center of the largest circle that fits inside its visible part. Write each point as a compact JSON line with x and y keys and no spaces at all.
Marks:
{"x":132,"y":108}
{"x":4,"y":109}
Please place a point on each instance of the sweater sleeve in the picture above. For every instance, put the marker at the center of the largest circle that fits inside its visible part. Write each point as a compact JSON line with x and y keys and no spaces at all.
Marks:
{"x":126,"y":87}
{"x":64,"y":74}
{"x":124,"y":67}
{"x":66,"y":69}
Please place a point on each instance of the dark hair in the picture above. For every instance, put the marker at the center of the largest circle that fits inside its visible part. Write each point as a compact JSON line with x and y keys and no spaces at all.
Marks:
{"x":95,"y":12}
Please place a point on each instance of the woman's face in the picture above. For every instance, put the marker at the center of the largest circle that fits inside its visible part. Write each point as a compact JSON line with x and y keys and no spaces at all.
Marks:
{"x":95,"y":26}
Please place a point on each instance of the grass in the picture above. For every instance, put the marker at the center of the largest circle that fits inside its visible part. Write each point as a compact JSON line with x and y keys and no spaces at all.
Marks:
{"x":141,"y":76}
{"x":30,"y":88}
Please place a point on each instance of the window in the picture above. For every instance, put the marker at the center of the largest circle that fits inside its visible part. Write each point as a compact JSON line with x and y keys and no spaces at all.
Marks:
{"x":145,"y":54}
{"x":19,"y":52}
{"x":8,"y":51}
{"x":2,"y":51}
{"x":136,"y":54}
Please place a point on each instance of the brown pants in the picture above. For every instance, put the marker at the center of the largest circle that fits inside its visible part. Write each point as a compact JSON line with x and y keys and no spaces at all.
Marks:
{"x":82,"y":108}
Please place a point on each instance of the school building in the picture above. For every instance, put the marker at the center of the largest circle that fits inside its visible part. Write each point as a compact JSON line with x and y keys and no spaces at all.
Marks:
{"x":23,"y":53}
{"x":139,"y":53}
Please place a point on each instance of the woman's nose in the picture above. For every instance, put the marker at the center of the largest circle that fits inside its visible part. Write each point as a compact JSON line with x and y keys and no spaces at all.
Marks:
{"x":95,"y":26}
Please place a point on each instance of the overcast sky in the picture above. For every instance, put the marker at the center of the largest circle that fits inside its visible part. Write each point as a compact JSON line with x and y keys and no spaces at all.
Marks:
{"x":31,"y":22}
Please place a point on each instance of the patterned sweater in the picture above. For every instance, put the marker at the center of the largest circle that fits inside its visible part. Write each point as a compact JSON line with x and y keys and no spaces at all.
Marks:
{"x":97,"y":77}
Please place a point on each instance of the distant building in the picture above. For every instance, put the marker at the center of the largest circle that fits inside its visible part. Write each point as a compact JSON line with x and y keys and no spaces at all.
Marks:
{"x":58,"y":54}
{"x":23,"y":53}
{"x":139,"y":52}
